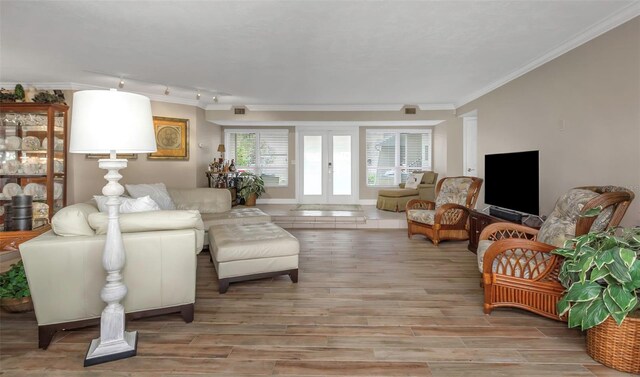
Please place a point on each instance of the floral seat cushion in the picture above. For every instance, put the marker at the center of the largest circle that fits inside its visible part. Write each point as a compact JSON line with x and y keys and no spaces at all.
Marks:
{"x":424,"y":216}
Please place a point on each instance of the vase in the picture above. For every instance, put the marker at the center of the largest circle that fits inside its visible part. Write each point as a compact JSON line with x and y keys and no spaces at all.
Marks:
{"x":251,"y":200}
{"x":17,"y":305}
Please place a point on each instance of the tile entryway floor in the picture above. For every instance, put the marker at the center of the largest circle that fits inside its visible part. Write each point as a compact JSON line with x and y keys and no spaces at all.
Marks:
{"x":370,"y":217}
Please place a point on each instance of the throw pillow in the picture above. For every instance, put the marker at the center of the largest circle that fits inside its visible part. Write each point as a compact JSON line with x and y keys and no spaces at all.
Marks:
{"x":413,"y":181}
{"x":128,"y":205}
{"x":157,"y":192}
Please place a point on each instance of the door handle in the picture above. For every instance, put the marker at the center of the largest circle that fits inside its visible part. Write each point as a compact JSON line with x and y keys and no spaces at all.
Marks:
{"x":470,"y":170}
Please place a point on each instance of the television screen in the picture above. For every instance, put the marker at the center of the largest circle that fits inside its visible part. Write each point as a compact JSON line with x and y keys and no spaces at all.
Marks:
{"x":511,"y":181}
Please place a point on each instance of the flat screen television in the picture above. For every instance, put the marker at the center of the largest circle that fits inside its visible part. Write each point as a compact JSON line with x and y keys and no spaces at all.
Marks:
{"x":511,"y":181}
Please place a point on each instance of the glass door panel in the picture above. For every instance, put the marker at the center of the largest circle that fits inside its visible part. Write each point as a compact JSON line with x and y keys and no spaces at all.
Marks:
{"x":341,"y":163}
{"x":312,"y":156}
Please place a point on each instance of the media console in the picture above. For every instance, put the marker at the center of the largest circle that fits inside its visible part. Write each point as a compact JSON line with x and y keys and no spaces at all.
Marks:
{"x":479,"y":220}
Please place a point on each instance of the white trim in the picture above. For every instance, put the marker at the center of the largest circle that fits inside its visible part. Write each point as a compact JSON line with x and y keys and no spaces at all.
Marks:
{"x":219,"y":107}
{"x":320,"y":123}
{"x":436,"y":106}
{"x":392,"y":107}
{"x":593,"y":31}
{"x":276,"y":201}
{"x":367,"y":202}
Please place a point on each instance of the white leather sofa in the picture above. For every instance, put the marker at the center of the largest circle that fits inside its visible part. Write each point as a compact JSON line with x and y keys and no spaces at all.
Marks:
{"x":215,"y":208}
{"x":65,"y":273}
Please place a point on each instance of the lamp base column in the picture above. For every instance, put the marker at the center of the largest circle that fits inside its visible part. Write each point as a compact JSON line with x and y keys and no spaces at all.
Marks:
{"x":99,"y":353}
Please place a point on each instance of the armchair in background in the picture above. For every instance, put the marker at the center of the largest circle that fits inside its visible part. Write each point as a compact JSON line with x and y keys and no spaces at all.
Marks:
{"x":447,"y":217}
{"x":396,"y":199}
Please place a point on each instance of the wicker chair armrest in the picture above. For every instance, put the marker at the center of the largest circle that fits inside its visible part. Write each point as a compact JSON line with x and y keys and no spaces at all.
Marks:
{"x":526,"y":254}
{"x":500,"y":231}
{"x":420,"y":204}
{"x":449,"y":214}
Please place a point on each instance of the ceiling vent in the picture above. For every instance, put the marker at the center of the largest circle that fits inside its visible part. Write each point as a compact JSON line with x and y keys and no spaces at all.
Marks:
{"x":410,"y":110}
{"x":239,"y":110}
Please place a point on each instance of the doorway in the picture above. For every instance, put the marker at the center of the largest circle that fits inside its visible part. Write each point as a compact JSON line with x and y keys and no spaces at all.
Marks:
{"x":328,"y":166}
{"x":470,"y":145}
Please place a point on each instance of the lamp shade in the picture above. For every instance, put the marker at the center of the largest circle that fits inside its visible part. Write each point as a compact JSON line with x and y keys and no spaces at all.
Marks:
{"x":107,"y":120}
{"x":221,"y":148}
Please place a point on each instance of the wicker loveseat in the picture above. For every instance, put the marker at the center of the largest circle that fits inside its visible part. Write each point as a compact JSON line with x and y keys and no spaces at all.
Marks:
{"x":518,"y":269}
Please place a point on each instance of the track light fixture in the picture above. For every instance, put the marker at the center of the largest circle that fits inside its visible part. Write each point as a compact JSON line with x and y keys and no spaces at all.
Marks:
{"x":166,"y":91}
{"x":121,"y":84}
{"x":215,"y":99}
{"x":198,"y":96}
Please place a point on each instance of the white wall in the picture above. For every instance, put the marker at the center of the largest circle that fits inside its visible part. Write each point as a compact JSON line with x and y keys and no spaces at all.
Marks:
{"x":581,"y":110}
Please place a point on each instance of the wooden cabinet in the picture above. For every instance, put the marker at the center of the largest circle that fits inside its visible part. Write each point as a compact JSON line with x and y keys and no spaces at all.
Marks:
{"x":477,"y":222}
{"x":33,"y":151}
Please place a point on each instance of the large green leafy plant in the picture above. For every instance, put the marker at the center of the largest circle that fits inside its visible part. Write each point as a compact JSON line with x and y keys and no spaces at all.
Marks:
{"x":250,"y":184}
{"x":601,"y":272}
{"x":13,"y":283}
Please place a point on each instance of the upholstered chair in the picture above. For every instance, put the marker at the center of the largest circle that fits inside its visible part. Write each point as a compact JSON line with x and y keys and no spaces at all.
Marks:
{"x":447,"y":217}
{"x":517,"y":266}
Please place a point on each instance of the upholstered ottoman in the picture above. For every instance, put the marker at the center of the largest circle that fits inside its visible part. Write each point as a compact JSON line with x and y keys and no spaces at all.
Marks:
{"x":395,"y":199}
{"x":252,"y":251}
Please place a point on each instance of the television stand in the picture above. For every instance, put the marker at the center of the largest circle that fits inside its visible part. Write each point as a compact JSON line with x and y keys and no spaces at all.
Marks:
{"x":514,"y":217}
{"x":478,"y":220}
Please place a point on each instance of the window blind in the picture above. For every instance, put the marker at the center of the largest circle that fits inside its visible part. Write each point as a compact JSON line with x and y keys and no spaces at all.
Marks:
{"x":263,"y":152}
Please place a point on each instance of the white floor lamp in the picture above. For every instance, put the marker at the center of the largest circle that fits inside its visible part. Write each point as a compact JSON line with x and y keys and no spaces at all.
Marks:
{"x":108,"y":121}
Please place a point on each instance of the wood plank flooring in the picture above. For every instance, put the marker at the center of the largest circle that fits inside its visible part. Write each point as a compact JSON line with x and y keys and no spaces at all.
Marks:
{"x":369,"y":303}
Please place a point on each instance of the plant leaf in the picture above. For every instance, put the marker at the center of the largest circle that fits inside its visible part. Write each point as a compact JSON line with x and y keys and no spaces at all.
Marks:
{"x":563,"y":306}
{"x":567,"y":253}
{"x":619,"y":317}
{"x":610,"y":303}
{"x":584,"y":264}
{"x":603,"y":258}
{"x":577,"y":313}
{"x":595,"y":314}
{"x":623,"y":298}
{"x":628,"y":256}
{"x":583,"y":291}
{"x":598,"y":273}
{"x":634,"y":272}
{"x":619,"y":271}
{"x":592,"y":212}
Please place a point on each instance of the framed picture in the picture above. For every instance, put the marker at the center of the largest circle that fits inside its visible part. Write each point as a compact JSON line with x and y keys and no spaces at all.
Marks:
{"x":127,"y":156}
{"x":172,"y":139}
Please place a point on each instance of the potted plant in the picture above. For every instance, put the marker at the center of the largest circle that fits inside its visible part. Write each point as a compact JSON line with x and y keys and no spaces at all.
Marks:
{"x":250,"y":188}
{"x":601,"y":272}
{"x":14,"y":290}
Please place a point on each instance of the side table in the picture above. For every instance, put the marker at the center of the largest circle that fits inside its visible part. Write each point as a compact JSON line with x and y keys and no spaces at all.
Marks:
{"x":10,"y":243}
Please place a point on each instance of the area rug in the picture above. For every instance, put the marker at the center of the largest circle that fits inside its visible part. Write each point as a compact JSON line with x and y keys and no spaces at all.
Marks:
{"x":328,"y":207}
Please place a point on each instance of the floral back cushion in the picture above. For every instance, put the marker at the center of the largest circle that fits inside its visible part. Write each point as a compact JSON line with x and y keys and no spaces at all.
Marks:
{"x":454,"y":190}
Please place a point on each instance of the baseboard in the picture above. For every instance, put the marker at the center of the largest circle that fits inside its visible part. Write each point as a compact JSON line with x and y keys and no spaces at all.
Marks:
{"x":367,"y":202}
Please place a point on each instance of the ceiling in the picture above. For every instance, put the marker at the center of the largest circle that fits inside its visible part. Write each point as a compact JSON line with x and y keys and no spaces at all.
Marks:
{"x":438,"y":54}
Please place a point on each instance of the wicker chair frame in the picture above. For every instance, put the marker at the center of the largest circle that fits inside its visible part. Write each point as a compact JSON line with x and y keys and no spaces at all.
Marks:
{"x":451,"y":221}
{"x":525,"y":274}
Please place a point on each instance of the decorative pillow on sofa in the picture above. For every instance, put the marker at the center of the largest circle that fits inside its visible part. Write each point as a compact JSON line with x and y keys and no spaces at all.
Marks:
{"x":413,"y":181}
{"x":128,"y":205}
{"x":157,"y":192}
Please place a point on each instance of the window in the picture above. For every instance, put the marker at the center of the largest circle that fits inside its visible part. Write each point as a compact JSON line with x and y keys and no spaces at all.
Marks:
{"x":263,"y":152}
{"x":392,"y":155}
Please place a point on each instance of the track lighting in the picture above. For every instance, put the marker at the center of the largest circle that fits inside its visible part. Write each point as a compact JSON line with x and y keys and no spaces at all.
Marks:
{"x":198,"y":96}
{"x":166,"y":91}
{"x":215,"y":99}
{"x":121,"y":84}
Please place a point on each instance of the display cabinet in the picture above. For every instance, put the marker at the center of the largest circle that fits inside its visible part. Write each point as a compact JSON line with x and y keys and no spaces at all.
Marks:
{"x":33,"y":149}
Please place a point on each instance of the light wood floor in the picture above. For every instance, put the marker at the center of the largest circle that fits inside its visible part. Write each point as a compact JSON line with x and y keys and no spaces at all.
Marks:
{"x":369,"y":303}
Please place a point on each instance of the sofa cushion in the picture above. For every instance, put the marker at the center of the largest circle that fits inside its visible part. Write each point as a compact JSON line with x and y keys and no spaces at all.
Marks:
{"x":414,"y":180}
{"x":398,"y":193}
{"x":128,"y":205}
{"x":157,"y":191}
{"x":152,"y":221}
{"x":72,"y":220}
{"x":424,"y":216}
{"x":429,"y":177}
{"x":205,"y":200}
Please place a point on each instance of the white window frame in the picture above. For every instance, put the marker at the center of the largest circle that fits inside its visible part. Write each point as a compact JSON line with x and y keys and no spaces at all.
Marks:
{"x":257,"y":132}
{"x":397,"y":168}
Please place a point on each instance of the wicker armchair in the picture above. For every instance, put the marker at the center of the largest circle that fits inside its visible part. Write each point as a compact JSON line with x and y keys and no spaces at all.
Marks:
{"x":447,"y":217}
{"x":518,"y":269}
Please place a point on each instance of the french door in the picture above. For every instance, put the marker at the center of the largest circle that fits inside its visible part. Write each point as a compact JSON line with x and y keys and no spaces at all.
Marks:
{"x":328,"y":166}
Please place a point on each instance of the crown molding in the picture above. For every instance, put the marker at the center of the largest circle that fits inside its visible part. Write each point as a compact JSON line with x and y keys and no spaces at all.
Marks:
{"x":320,"y":123}
{"x":394,"y":107}
{"x":616,"y":19}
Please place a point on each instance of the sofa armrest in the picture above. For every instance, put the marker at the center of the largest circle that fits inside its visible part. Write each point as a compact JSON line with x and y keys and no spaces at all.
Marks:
{"x":65,"y":274}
